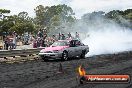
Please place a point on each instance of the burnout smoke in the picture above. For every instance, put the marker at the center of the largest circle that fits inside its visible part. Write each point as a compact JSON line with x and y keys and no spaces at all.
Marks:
{"x":101,"y":34}
{"x":109,"y":40}
{"x":104,"y":36}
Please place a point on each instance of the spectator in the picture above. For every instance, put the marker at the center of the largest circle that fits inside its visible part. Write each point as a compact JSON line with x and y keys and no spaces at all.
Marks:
{"x":30,"y":38}
{"x":26,"y":38}
{"x":34,"y":43}
{"x":11,"y":43}
{"x":69,"y":35}
{"x":49,"y":41}
{"x":63,"y":37}
{"x":6,"y":45}
{"x":59,"y":36}
{"x":44,"y":36}
{"x":77,"y":35}
{"x":43,"y":42}
{"x":54,"y":38}
{"x":38,"y":42}
{"x":14,"y":41}
{"x":40,"y":34}
{"x":14,"y":33}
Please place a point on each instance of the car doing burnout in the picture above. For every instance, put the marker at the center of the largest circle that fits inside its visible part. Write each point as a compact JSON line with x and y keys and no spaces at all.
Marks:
{"x":64,"y":49}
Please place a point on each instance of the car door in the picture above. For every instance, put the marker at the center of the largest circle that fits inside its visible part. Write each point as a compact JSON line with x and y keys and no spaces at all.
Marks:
{"x":78,"y":47}
{"x":72,"y":49}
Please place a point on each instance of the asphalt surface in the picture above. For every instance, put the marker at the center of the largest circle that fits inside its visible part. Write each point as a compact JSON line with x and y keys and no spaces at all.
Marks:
{"x":40,"y":74}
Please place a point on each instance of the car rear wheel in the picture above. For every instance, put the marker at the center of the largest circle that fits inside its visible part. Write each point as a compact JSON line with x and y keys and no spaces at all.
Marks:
{"x":65,"y":55}
{"x":83,"y":54}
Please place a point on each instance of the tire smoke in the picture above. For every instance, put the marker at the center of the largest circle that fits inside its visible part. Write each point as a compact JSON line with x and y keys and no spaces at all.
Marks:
{"x":110,"y":40}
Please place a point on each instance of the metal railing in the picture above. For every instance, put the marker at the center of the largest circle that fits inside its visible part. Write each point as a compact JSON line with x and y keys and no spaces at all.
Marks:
{"x":19,"y":52}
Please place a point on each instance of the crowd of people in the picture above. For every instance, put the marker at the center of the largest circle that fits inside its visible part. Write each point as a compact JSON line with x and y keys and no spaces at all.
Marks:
{"x":44,"y":40}
{"x":10,"y":41}
{"x":39,"y":40}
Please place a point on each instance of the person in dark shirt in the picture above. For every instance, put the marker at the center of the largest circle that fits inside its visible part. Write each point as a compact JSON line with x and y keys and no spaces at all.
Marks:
{"x":43,"y":42}
{"x":40,"y":34}
{"x":59,"y":36}
{"x":63,"y":37}
{"x":6,"y":43}
{"x":54,"y":38}
{"x":69,"y":35}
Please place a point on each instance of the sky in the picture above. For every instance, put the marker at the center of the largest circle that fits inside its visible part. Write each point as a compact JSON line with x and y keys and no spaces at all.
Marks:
{"x":80,"y":7}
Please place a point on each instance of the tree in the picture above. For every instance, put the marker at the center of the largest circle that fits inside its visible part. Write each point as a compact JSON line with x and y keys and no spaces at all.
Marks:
{"x":123,"y":18}
{"x":22,"y":23}
{"x":3,"y":11}
{"x":22,"y":27}
{"x":4,"y":23}
{"x":93,"y":18}
{"x":40,"y":15}
{"x":54,"y":16}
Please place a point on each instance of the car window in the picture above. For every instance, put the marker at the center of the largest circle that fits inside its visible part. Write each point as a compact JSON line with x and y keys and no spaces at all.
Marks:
{"x":78,"y":43}
{"x":72,"y":43}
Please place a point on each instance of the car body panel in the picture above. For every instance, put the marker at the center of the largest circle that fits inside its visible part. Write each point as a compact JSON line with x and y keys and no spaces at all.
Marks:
{"x":56,"y":51}
{"x":50,"y":55}
{"x":52,"y":48}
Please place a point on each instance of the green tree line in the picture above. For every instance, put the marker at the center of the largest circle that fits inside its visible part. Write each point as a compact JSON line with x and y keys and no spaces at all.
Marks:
{"x":56,"y":18}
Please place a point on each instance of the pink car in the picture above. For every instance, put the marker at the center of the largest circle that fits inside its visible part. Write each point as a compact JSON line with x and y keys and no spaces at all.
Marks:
{"x":64,"y":49}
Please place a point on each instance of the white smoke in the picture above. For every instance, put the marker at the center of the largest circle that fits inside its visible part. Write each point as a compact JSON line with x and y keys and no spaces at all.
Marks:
{"x":103,"y":36}
{"x":111,"y":39}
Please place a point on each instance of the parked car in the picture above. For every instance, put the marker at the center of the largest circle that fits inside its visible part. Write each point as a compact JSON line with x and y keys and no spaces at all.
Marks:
{"x":65,"y":49}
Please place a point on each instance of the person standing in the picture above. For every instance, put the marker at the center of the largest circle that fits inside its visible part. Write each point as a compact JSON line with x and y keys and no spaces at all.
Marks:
{"x":6,"y":45}
{"x":38,"y":42}
{"x":43,"y":42}
{"x":34,"y":43}
{"x":40,"y":34}
{"x":69,"y":35}
{"x":59,"y":36}
{"x":77,"y":35}
{"x":63,"y":37}
{"x":54,"y":38}
{"x":14,"y":41}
